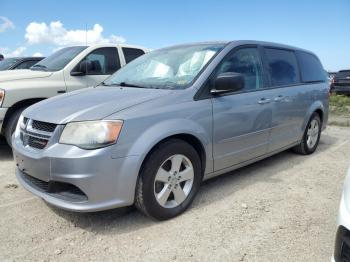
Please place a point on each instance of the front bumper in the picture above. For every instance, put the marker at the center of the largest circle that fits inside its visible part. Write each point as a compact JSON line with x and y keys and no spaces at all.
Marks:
{"x":2,"y":116}
{"x":76,"y":179}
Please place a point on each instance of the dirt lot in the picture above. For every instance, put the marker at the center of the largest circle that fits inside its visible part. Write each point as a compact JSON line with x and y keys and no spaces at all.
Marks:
{"x":279,"y":209}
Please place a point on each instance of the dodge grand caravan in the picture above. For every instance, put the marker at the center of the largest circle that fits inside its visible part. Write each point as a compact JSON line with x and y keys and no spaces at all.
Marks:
{"x":66,"y":70}
{"x":168,"y":120}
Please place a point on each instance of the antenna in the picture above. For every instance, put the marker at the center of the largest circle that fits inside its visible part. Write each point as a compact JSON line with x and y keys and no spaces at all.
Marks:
{"x":86,"y":34}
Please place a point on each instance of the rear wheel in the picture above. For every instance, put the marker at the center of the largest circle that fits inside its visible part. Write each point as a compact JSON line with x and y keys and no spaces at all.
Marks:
{"x":311,"y":136}
{"x":11,"y":125}
{"x":169,"y":181}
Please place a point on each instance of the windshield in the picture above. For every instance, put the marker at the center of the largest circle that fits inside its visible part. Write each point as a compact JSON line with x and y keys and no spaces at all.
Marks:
{"x":7,"y":63}
{"x":59,"y":59}
{"x":170,"y":68}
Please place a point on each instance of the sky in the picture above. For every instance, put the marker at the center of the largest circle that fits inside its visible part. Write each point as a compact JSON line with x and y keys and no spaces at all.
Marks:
{"x":40,"y":27}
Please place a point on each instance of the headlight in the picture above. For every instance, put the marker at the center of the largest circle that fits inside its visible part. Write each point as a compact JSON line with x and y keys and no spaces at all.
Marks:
{"x":2,"y":96}
{"x":91,"y":134}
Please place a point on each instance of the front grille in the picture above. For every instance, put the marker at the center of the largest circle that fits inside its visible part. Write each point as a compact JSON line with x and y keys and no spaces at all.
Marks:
{"x":43,"y":126}
{"x":37,"y":143}
{"x":36,"y":134}
{"x":58,"y":189}
{"x":39,"y":184}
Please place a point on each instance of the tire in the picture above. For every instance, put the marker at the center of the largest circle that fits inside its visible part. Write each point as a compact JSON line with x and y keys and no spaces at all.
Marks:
{"x":305,"y":148}
{"x":11,"y":125}
{"x":149,"y":188}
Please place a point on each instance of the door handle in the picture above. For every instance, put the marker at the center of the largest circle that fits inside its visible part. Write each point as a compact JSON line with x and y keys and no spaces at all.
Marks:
{"x":264,"y":101}
{"x":279,"y":98}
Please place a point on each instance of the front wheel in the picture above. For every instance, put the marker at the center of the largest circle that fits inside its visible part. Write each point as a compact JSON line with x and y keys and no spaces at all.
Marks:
{"x":169,"y":180}
{"x":311,"y":136}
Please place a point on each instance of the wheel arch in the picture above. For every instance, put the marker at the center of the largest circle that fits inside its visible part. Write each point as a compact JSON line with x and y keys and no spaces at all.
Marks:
{"x":316,"y":107}
{"x":320,"y":114}
{"x":190,"y":139}
{"x":18,"y":105}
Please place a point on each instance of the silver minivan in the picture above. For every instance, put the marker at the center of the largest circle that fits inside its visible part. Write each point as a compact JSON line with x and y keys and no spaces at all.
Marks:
{"x":153,"y":131}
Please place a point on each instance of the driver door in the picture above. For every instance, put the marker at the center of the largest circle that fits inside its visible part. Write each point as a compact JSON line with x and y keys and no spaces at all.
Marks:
{"x":242,"y":119}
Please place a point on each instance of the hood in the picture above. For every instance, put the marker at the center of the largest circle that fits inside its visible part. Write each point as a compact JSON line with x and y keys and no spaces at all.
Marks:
{"x":11,"y":75}
{"x":90,"y":104}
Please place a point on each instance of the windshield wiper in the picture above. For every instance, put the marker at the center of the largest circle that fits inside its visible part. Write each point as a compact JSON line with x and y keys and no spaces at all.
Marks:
{"x":129,"y":85}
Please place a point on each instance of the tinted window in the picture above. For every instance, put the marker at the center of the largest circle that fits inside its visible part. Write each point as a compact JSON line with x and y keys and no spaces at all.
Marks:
{"x":26,"y":64}
{"x":342,"y":74}
{"x":245,"y":61}
{"x":132,"y":53}
{"x":104,"y":61}
{"x":7,"y":63}
{"x":310,"y":67}
{"x":282,"y":65}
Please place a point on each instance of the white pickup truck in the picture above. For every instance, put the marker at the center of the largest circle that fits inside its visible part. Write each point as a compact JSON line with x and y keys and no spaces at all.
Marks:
{"x":66,"y":70}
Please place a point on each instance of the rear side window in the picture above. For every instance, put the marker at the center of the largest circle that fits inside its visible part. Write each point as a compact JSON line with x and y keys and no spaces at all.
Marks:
{"x":311,"y":68}
{"x":282,"y":66}
{"x":132,"y":53}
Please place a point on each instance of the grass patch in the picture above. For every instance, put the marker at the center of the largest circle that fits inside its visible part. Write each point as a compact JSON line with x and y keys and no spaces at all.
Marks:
{"x":339,"y":104}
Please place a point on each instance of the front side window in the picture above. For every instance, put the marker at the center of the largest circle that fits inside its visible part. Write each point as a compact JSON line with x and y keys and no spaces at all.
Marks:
{"x":245,"y":61}
{"x":132,"y":53}
{"x":103,"y":61}
{"x":282,"y":65}
{"x":59,"y":59}
{"x":169,"y":68}
{"x":311,"y":68}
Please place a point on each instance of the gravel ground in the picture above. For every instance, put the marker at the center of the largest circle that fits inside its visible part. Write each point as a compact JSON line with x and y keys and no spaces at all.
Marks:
{"x":280,"y":209}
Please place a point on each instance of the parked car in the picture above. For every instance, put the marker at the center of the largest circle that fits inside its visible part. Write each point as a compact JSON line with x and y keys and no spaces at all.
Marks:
{"x":68,"y":69}
{"x":168,"y":120}
{"x":342,"y":244}
{"x":341,"y":83}
{"x":13,"y":63}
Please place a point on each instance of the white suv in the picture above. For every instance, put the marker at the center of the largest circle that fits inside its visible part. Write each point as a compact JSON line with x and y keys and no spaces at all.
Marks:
{"x":68,"y":69}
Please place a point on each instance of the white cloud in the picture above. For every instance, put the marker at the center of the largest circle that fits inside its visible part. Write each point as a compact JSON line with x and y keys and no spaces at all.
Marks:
{"x":17,"y":52}
{"x":5,"y":24}
{"x":55,"y":33}
{"x":37,"y":54}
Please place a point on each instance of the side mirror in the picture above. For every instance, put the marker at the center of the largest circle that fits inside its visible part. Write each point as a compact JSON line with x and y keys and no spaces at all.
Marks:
{"x":82,"y":68}
{"x":228,"y":82}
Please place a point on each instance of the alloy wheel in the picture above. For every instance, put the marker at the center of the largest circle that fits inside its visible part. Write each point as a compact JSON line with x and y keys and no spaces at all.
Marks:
{"x":173,"y":181}
{"x":312,"y":133}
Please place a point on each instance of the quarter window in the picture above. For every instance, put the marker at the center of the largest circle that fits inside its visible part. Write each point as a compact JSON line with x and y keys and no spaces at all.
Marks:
{"x":245,"y":61}
{"x":282,"y":65}
{"x":132,"y":53}
{"x":311,"y":68}
{"x":104,"y":61}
